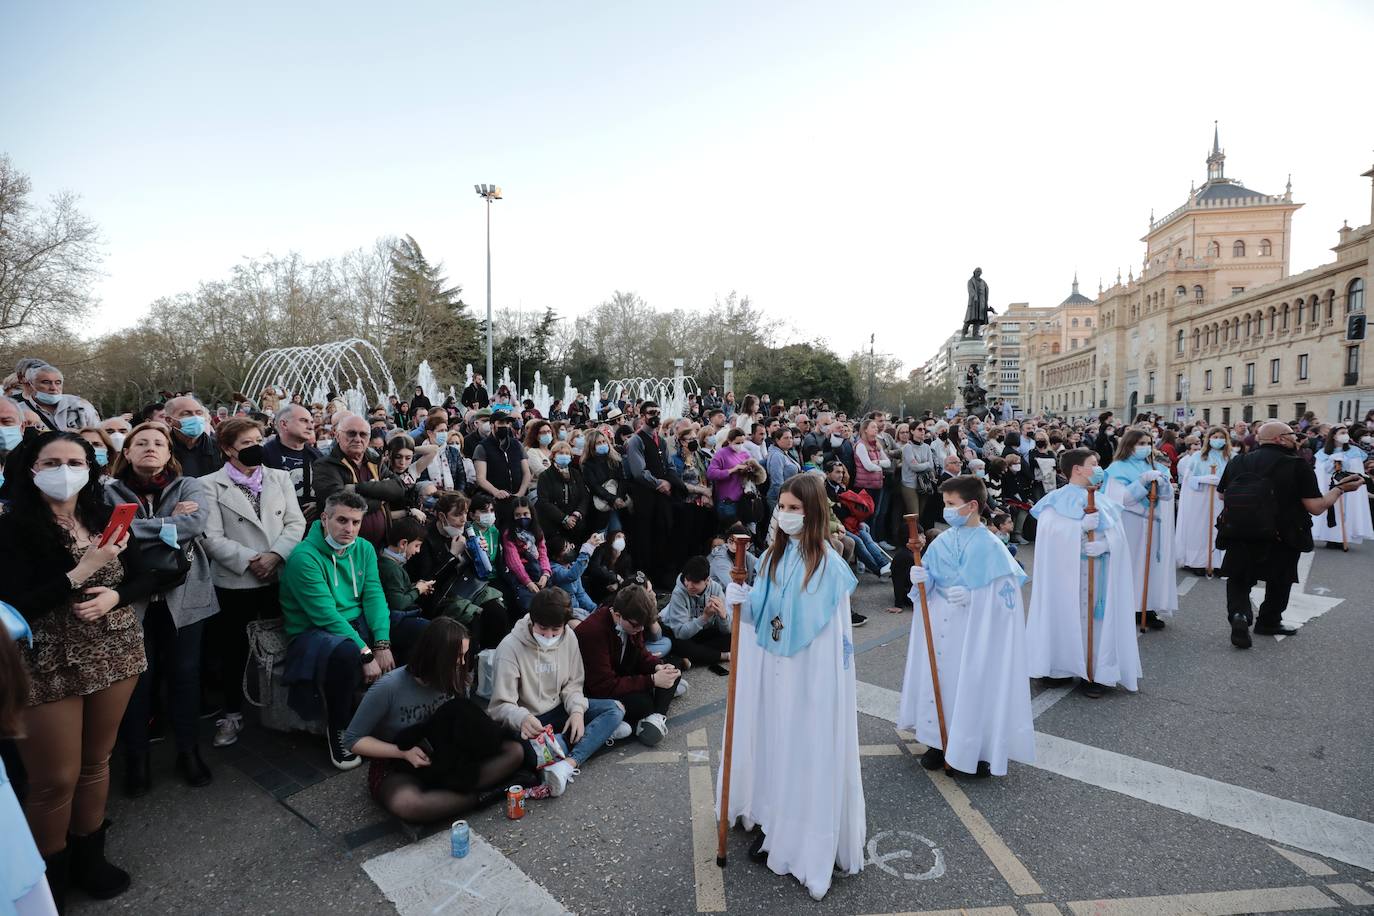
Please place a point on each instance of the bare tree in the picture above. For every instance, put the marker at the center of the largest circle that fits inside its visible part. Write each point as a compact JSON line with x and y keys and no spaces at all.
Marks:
{"x":48,"y":258}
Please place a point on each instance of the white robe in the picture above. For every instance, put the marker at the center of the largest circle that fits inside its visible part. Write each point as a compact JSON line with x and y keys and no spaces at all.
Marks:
{"x":981,"y":658}
{"x":1356,"y":504}
{"x":794,"y":767}
{"x":1163,"y":597}
{"x":1057,"y":629}
{"x":1196,"y":527}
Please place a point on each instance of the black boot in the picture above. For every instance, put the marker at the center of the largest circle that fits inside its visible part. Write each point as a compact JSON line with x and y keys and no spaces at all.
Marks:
{"x":1153,"y":622}
{"x":756,"y":853}
{"x":932,"y":759}
{"x":90,"y":872}
{"x":138,"y":775}
{"x":193,"y":769}
{"x":56,"y":865}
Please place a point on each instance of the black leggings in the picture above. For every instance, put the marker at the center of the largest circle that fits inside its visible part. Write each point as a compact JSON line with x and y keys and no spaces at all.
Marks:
{"x":228,"y":632}
{"x":702,"y":649}
{"x":639,"y":705}
{"x":173,"y":660}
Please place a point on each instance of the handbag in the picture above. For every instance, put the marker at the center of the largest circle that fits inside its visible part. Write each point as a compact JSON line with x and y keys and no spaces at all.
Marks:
{"x":612,"y":487}
{"x":267,"y":642}
{"x":169,"y":566}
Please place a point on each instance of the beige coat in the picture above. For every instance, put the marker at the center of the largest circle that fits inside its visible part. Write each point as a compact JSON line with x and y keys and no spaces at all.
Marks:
{"x":234,"y":533}
{"x":530,"y":680}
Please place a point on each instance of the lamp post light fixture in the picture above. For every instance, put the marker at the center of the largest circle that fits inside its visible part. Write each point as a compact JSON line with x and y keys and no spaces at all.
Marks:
{"x":488,"y":192}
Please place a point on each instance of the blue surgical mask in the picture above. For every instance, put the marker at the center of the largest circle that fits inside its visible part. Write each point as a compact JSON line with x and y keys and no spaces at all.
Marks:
{"x":1217,"y":443}
{"x":955,"y":518}
{"x":562,"y":435}
{"x":11,"y":436}
{"x":544,"y":440}
{"x":1098,"y":475}
{"x":192,"y":426}
{"x":1142,"y":451}
{"x":441,"y":438}
{"x":603,"y":449}
{"x":562,"y":460}
{"x":47,"y":397}
{"x":335,"y":545}
{"x":102,"y":455}
{"x":524,"y":522}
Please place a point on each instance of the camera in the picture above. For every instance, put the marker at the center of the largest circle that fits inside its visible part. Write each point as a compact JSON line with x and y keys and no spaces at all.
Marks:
{"x":1338,"y":476}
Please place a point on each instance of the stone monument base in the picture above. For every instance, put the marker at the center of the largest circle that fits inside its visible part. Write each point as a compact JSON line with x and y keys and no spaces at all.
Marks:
{"x":970,"y":351}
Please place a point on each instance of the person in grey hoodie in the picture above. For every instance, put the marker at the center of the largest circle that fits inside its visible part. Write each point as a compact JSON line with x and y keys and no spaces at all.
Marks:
{"x":696,"y":618}
{"x":537,"y":679}
{"x":722,"y":558}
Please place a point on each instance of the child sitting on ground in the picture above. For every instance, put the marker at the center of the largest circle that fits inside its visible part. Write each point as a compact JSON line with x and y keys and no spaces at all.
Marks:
{"x":696,"y":618}
{"x":403,"y":540}
{"x":568,"y":565}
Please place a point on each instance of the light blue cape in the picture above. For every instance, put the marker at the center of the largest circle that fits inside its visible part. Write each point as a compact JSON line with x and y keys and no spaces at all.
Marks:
{"x":971,"y":557}
{"x":803,"y":612}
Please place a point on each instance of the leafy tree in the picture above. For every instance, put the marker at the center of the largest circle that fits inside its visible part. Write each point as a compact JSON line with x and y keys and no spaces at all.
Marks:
{"x":425,"y":318}
{"x":798,"y":371}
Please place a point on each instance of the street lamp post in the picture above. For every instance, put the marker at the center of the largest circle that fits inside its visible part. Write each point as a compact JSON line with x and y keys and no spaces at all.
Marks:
{"x":488,"y":192}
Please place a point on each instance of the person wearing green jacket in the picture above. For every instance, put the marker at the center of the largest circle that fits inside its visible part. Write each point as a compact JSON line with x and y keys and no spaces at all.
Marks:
{"x":335,"y":613}
{"x":404,"y":540}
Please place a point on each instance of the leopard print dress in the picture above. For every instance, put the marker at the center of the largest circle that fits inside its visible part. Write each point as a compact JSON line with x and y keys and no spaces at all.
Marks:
{"x":72,"y":657}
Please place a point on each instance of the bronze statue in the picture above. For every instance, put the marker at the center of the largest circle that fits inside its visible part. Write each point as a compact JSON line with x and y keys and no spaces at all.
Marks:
{"x":978,"y":309}
{"x":974,"y":393}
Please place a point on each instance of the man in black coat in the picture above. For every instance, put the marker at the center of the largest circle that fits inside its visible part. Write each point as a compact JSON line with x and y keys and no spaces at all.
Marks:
{"x":653,"y":481}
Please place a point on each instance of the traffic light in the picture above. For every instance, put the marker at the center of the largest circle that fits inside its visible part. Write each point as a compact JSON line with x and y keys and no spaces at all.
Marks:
{"x":1354,"y":327}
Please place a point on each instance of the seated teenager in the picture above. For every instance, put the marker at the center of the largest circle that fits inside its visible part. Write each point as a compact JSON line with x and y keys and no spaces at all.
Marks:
{"x":618,"y":667}
{"x":464,"y":592}
{"x":484,"y":761}
{"x":525,"y":552}
{"x":403,"y":540}
{"x":723,"y":558}
{"x":538,"y":681}
{"x":335,"y":614}
{"x":568,"y":565}
{"x":610,"y":568}
{"x":696,"y":618}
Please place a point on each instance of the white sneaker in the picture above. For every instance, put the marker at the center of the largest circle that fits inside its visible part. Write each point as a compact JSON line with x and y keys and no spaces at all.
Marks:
{"x":622,"y":731}
{"x":228,"y":728}
{"x":682,"y":687}
{"x":558,"y":776}
{"x":652,"y":729}
{"x":885,"y":571}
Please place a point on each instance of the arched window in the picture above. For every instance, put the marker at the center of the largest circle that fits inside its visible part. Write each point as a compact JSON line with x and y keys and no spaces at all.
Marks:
{"x":1179,"y":253}
{"x":1330,"y":305}
{"x":1054,"y":347}
{"x":1266,"y":249}
{"x":1197,"y":293}
{"x":1297,"y":317}
{"x":1285,"y":316}
{"x":1214,"y":249}
{"x":1197,"y":336}
{"x":1238,"y":249}
{"x":1315,"y":306}
{"x":1215,"y":330}
{"x":1249,"y":327}
{"x":1354,"y":296}
{"x":1235,"y":328}
{"x":1074,"y":323}
{"x":1225,"y":330}
{"x":1087,"y":322}
{"x":1273,"y":314}
{"x":1180,"y":292}
{"x":1180,"y":340}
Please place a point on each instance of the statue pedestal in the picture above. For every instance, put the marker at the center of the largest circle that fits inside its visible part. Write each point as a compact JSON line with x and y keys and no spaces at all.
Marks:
{"x":968,"y":352}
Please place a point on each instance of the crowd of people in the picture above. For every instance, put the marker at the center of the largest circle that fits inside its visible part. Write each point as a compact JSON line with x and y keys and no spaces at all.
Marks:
{"x":476,"y":595}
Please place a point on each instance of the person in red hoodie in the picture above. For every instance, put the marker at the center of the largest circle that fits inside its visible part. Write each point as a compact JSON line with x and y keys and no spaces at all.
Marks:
{"x":618,"y":667}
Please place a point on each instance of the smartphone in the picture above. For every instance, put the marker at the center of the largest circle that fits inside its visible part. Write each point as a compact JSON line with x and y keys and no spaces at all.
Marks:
{"x":120,"y":521}
{"x":719,"y":669}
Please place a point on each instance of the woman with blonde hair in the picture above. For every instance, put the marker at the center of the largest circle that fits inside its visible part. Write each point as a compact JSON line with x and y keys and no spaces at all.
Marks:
{"x":602,"y":476}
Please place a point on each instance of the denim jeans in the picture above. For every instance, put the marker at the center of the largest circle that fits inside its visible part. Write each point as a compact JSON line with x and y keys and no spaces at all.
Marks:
{"x":601,"y":719}
{"x":581,"y":601}
{"x":868,"y":551}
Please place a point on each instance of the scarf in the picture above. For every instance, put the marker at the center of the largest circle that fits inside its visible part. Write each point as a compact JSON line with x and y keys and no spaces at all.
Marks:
{"x":152,"y":486}
{"x":250,"y":482}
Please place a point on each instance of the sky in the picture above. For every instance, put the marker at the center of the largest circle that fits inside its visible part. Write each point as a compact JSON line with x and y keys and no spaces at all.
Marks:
{"x":846,"y":166}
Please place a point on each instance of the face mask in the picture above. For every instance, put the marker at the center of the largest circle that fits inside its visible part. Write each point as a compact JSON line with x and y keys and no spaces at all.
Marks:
{"x":523,"y":522}
{"x":1365,"y":440}
{"x":335,"y":545}
{"x":1142,"y":451}
{"x":398,"y":557}
{"x":1217,"y":443}
{"x":192,"y":426}
{"x":578,"y":444}
{"x":546,"y":642}
{"x":603,"y":448}
{"x":652,"y":422}
{"x":562,"y":435}
{"x":1107,"y":432}
{"x":251,"y":456}
{"x":441,"y":438}
{"x":503,"y":433}
{"x":484,"y":428}
{"x":450,"y":530}
{"x":102,"y":456}
{"x":1342,"y":438}
{"x":980,"y":473}
{"x":544,"y":440}
{"x":791,"y":523}
{"x":836,"y":440}
{"x":955,"y":518}
{"x":47,"y":397}
{"x":1096,"y":477}
{"x":618,"y":544}
{"x":562,"y":460}
{"x":487,"y":519}
{"x":11,"y":436}
{"x":1004,"y":537}
{"x":117,"y":440}
{"x":62,"y":483}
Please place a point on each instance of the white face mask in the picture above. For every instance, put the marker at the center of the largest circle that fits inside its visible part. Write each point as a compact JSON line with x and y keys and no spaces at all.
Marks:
{"x":546,"y":642}
{"x":790,"y":523}
{"x":739,"y":447}
{"x":618,"y":544}
{"x":487,"y":519}
{"x":452,"y":531}
{"x":117,"y":440}
{"x":61,"y":483}
{"x":1342,"y":438}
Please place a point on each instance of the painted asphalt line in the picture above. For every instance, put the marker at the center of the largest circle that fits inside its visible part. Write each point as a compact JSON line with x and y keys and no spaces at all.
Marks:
{"x":1315,"y":867}
{"x":1043,"y":700}
{"x":979,"y":911}
{"x":1042,"y":909}
{"x":424,"y":878}
{"x":710,"y":878}
{"x":1314,"y":830}
{"x":1223,"y":903}
{"x":1352,"y":894}
{"x":1016,"y":875}
{"x":1186,"y":585}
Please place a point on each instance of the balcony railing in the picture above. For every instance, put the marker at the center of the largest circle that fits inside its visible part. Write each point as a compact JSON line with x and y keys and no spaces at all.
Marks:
{"x":1102,"y":403}
{"x":1352,"y":378}
{"x":1247,"y":390}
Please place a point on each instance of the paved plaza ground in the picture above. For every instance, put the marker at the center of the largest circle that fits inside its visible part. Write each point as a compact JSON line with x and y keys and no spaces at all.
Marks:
{"x":1233,"y":782}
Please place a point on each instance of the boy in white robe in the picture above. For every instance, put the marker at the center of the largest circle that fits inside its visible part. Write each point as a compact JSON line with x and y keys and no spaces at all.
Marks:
{"x":1130,"y":477}
{"x":1057,"y":624}
{"x":973,"y":591}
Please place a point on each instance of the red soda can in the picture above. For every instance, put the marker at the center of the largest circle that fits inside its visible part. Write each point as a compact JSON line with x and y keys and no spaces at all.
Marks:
{"x":515,"y":803}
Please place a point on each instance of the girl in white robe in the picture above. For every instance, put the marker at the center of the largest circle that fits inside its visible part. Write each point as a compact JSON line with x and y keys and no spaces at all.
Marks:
{"x":1129,"y":477}
{"x":1056,"y":628}
{"x":977,"y":622}
{"x":794,"y":759}
{"x":1353,"y":505}
{"x":1199,"y":504}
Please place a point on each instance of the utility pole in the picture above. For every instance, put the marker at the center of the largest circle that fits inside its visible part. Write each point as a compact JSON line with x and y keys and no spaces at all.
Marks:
{"x":871,"y":368}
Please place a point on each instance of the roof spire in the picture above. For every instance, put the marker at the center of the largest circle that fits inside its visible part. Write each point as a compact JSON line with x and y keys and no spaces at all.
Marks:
{"x":1075,"y":281}
{"x":1216,"y":161}
{"x":1216,"y":139}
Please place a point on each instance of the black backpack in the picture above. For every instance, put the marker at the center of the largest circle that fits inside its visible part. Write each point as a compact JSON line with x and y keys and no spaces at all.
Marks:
{"x":1250,"y":510}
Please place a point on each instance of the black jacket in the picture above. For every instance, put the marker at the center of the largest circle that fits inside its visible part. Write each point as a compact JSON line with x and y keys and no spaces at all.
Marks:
{"x":560,"y":497}
{"x":331,"y":473}
{"x":475,"y":396}
{"x":199,"y":458}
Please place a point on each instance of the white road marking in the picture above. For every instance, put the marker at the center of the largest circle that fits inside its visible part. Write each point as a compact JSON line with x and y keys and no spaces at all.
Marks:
{"x":1042,"y":909}
{"x":1303,"y":608}
{"x":424,"y":878}
{"x":1315,"y":867}
{"x":1016,"y":875}
{"x":710,"y":879}
{"x":1043,"y":700}
{"x":1186,"y":585}
{"x":1223,"y":903}
{"x":1352,"y":894}
{"x":978,"y":911}
{"x":880,"y":860}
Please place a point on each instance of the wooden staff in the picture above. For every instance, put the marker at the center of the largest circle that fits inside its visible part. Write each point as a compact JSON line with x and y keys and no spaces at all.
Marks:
{"x":1211,"y":505}
{"x":1149,"y":544}
{"x":930,"y":639}
{"x":738,"y":575}
{"x":1340,"y":511}
{"x":1092,"y":581}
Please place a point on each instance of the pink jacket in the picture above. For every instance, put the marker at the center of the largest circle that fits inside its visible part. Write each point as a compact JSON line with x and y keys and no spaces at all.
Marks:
{"x":863,"y":477}
{"x":728,"y":486}
{"x":515,"y":560}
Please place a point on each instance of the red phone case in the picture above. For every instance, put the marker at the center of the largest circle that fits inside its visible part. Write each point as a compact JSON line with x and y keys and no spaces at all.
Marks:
{"x":119,"y":522}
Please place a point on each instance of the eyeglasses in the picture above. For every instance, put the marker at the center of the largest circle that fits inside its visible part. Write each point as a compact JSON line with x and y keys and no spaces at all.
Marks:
{"x":50,"y":463}
{"x":355,"y":433}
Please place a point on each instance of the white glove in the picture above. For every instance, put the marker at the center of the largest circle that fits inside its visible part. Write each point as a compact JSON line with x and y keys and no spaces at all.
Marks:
{"x":919,"y":576}
{"x":1212,"y":480}
{"x":737,"y":594}
{"x":1152,"y":477}
{"x":1090,"y":521}
{"x":957,"y":595}
{"x":1094,"y":548}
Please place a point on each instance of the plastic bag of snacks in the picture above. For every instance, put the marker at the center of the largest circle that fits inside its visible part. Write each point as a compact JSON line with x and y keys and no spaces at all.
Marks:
{"x":548,"y":750}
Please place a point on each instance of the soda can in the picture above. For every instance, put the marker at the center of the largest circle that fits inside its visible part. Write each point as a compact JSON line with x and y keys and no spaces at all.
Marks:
{"x":515,"y":803}
{"x":460,"y":837}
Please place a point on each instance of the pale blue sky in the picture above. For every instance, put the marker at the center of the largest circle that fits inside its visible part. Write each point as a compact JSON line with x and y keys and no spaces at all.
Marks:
{"x":846,"y":165}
